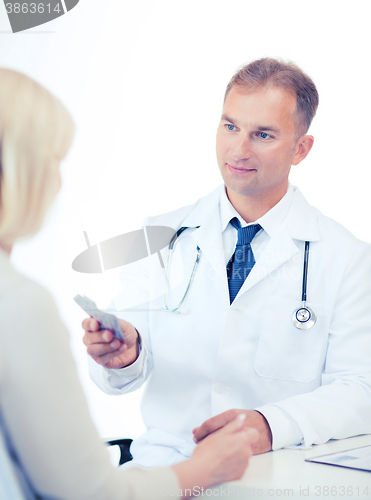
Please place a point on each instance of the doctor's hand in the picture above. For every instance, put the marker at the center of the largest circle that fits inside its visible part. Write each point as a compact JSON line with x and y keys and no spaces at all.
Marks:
{"x":254,"y":420}
{"x":105,"y":349}
{"x":221,"y":456}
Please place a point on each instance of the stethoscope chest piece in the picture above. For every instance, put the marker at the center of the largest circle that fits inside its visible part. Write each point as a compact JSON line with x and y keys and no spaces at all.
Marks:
{"x":304,"y":318}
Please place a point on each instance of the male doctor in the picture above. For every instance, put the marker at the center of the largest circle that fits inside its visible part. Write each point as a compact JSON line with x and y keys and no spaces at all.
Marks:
{"x":233,"y":347}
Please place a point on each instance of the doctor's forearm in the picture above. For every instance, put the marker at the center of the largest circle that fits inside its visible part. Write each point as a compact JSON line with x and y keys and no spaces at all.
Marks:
{"x":333,"y":411}
{"x":284,"y":430}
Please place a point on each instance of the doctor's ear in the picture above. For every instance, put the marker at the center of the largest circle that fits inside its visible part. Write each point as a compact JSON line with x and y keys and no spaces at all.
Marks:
{"x":302,"y":148}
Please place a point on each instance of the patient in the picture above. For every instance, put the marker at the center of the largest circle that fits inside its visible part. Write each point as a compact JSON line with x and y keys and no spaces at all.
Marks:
{"x":44,"y":419}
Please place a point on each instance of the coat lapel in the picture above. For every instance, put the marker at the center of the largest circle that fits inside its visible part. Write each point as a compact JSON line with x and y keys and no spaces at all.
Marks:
{"x":300,"y":224}
{"x":279,"y":250}
{"x":209,"y":238}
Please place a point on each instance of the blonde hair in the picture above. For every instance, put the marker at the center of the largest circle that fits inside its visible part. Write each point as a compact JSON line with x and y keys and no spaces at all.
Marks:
{"x":36,"y":132}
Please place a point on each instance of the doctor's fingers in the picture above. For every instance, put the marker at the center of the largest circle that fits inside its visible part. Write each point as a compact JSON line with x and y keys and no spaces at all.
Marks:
{"x":99,"y":337}
{"x":110,"y":350}
{"x":90,"y":325}
{"x":113,"y":359}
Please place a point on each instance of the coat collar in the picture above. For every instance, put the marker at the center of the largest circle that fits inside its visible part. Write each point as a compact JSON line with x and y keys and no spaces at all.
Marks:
{"x":301,"y":223}
{"x":205,"y":209}
{"x":301,"y":220}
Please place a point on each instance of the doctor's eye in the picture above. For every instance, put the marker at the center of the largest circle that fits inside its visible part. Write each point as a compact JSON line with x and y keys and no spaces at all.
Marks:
{"x":264,"y":135}
{"x":230,"y":127}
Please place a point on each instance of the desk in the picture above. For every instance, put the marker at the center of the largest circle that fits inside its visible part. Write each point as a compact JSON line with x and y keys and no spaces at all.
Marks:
{"x":285,"y":474}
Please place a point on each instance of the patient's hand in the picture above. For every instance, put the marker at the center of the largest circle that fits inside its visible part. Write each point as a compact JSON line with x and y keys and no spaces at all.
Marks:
{"x":221,"y":456}
{"x":254,"y":420}
{"x":105,"y":349}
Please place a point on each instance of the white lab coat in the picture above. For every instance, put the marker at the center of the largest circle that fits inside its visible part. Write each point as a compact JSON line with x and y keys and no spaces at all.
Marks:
{"x":314,"y":383}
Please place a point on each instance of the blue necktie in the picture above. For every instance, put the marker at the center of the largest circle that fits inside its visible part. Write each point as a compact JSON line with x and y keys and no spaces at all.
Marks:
{"x":242,"y":261}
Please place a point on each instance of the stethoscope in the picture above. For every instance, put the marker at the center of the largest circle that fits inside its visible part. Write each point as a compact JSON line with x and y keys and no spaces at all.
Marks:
{"x":303,"y":317}
{"x":168,"y":266}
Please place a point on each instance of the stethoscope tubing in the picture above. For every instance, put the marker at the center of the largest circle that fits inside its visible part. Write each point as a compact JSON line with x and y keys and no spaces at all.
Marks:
{"x":168,"y":266}
{"x":305,"y":272}
{"x":303,"y":317}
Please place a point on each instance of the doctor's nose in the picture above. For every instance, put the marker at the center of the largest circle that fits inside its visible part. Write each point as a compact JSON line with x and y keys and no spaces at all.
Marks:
{"x":241,"y":149}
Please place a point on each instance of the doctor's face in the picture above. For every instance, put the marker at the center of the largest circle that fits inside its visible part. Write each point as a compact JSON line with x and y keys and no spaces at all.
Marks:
{"x":256,"y":143}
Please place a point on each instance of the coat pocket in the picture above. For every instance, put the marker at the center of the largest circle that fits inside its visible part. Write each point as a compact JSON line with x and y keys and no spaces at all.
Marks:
{"x":284,"y":352}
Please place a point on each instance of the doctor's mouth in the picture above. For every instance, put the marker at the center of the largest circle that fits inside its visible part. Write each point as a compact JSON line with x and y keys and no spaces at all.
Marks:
{"x":239,"y":170}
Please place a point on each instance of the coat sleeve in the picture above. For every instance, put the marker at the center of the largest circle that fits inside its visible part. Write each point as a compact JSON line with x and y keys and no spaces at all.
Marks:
{"x":341,"y":406}
{"x":131,"y":304}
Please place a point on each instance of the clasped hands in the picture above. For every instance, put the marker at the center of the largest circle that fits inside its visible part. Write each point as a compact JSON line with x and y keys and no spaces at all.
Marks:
{"x":253,"y":420}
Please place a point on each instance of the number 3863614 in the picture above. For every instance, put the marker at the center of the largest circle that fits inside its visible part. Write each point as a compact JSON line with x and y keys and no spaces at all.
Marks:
{"x":32,"y":8}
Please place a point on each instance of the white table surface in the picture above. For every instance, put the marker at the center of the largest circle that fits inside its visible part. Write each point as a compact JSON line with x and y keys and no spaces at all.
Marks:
{"x":285,"y":474}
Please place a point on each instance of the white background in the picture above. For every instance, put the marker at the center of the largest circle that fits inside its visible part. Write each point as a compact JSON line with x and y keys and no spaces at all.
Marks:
{"x":144,"y":82}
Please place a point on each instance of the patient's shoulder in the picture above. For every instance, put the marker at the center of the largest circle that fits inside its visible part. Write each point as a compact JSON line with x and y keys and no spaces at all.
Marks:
{"x":24,"y":304}
{"x":17,"y":289}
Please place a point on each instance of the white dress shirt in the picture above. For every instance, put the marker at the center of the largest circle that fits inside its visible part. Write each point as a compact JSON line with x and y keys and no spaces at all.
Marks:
{"x":270,"y":222}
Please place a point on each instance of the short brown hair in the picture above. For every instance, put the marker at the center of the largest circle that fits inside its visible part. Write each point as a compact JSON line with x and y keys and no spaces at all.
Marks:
{"x":287,"y":75}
